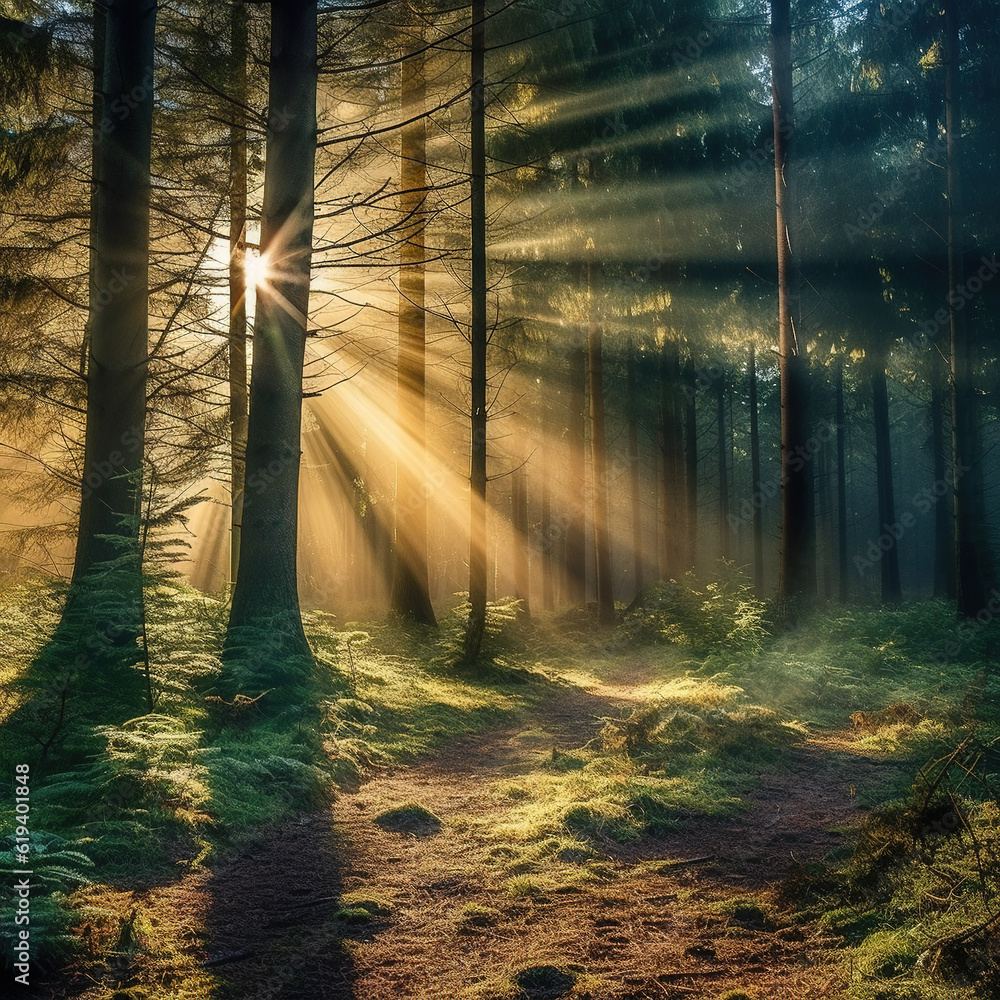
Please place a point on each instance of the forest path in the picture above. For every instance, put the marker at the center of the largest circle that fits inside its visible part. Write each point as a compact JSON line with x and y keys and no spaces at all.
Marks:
{"x":450,"y":919}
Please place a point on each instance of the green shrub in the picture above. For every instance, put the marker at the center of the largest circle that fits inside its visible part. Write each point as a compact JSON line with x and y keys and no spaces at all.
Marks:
{"x":711,"y":615}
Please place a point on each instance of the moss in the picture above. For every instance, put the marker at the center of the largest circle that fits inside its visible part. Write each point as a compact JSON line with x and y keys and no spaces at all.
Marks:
{"x":410,"y":818}
{"x":886,"y":954}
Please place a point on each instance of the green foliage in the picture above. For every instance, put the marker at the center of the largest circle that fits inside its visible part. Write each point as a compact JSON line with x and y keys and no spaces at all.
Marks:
{"x":717,"y":614}
{"x":260,"y":657}
{"x":57,"y":867}
{"x":501,"y":616}
{"x":916,"y":900}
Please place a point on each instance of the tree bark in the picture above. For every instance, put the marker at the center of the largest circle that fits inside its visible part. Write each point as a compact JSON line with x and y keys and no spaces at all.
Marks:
{"x":797,"y":575}
{"x":671,"y":470}
{"x":635,"y":470}
{"x":889,"y":565}
{"x":691,"y":462}
{"x":522,"y":543}
{"x":238,"y":395}
{"x":266,"y":593}
{"x":971,"y":540}
{"x":602,"y":537}
{"x":100,"y":31}
{"x":843,"y":574}
{"x":114,"y":445}
{"x":756,"y":498}
{"x":576,"y":538}
{"x":546,"y":536}
{"x":944,"y":512}
{"x":725,"y":543}
{"x":410,"y":595}
{"x":477,"y":470}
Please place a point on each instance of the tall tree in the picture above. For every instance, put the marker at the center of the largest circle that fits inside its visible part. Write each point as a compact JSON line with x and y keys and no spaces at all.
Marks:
{"x":477,"y":470}
{"x":944,"y":515}
{"x":410,"y":595}
{"x":691,"y":461}
{"x":843,"y":575}
{"x":635,"y":469}
{"x":970,"y":530}
{"x":266,"y":592}
{"x":756,"y":498}
{"x":119,"y":323}
{"x":239,"y":27}
{"x":889,"y":563}
{"x":602,"y":538}
{"x":720,"y":424}
{"x":797,"y":572}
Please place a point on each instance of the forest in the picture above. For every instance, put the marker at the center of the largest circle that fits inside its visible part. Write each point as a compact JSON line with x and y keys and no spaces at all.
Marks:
{"x":499,"y":501}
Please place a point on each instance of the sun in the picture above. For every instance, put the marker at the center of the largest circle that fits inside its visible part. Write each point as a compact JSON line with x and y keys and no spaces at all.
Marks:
{"x":253,"y":268}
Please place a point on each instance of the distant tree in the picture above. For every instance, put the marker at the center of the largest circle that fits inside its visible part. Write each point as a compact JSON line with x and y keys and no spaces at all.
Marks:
{"x":410,"y":595}
{"x":598,"y":443}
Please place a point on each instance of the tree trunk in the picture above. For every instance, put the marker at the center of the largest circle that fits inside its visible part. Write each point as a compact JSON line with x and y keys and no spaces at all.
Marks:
{"x":971,"y":540}
{"x":670,"y":421}
{"x":119,"y":321}
{"x":100,"y":30}
{"x":477,"y":469}
{"x":635,"y":470}
{"x":757,"y":499}
{"x":546,"y":536}
{"x":797,"y":573}
{"x":720,"y":420}
{"x":843,"y":575}
{"x":691,"y":462}
{"x":576,"y":538}
{"x":944,"y":512}
{"x":266,"y":594}
{"x":239,"y":29}
{"x":410,"y":594}
{"x":522,"y":543}
{"x":889,"y":564}
{"x":602,"y":537}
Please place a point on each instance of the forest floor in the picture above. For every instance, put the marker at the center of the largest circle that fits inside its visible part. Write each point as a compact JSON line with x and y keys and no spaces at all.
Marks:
{"x":342,"y":903}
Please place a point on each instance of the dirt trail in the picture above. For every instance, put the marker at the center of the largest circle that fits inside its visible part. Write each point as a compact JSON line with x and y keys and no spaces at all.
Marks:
{"x":641,"y":932}
{"x":280,"y":920}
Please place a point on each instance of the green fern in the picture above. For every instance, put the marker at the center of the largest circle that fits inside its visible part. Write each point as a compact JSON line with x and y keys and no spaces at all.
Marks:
{"x":56,"y":866}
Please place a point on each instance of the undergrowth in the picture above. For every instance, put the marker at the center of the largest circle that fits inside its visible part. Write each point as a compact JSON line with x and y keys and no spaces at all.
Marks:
{"x":217,"y":754}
